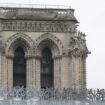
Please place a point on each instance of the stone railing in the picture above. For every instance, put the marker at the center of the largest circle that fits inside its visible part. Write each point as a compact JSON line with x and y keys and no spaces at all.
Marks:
{"x":37,"y":13}
{"x":37,"y":96}
{"x":33,"y":5}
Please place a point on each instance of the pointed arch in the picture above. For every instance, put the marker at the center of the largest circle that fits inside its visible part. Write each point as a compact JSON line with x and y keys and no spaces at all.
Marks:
{"x":50,"y":41}
{"x":17,"y":40}
{"x":56,"y":48}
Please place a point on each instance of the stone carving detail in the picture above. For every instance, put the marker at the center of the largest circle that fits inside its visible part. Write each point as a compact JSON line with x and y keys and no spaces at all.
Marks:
{"x":38,"y":26}
{"x":76,"y":52}
{"x":20,"y":38}
{"x":54,"y":20}
{"x":78,"y":45}
{"x":51,"y":37}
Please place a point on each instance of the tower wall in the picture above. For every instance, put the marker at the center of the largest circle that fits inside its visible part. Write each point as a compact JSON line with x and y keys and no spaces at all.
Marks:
{"x":34,"y":30}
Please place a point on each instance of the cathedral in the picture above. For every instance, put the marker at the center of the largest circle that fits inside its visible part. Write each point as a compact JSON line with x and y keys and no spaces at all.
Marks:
{"x":41,"y":47}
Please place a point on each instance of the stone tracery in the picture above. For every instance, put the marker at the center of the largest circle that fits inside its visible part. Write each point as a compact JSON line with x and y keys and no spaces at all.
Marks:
{"x":16,"y":40}
{"x":49,"y":40}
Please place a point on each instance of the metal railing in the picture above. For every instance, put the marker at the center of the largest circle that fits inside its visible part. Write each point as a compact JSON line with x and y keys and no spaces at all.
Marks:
{"x":50,"y":96}
{"x":8,"y":12}
{"x":14,"y":5}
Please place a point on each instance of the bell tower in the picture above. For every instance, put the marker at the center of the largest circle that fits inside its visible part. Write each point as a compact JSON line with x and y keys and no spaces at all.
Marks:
{"x":41,"y":47}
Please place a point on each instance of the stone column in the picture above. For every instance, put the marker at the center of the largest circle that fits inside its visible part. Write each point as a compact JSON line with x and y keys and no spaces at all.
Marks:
{"x":73,"y":72}
{"x":29,"y":72}
{"x":65,"y":83}
{"x":0,"y":25}
{"x":4,"y":71}
{"x":76,"y":61}
{"x":10,"y":71}
{"x":0,"y":69}
{"x":34,"y":72}
{"x":70,"y":71}
{"x":38,"y":70}
{"x":80,"y":73}
{"x":84,"y":72}
{"x":57,"y":72}
{"x":77,"y":72}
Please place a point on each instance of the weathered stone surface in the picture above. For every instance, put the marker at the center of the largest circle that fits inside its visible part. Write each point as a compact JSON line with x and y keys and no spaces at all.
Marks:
{"x":35,"y":29}
{"x":37,"y":14}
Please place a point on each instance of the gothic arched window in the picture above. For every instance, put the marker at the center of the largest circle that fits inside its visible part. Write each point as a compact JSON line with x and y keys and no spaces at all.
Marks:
{"x":47,"y":74}
{"x":19,"y":68}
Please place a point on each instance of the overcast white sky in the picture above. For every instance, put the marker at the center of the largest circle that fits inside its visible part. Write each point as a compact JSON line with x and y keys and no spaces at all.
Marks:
{"x":91,"y":15}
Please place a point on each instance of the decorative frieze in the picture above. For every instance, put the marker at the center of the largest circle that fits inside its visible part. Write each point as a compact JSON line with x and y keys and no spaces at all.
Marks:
{"x":38,"y":26}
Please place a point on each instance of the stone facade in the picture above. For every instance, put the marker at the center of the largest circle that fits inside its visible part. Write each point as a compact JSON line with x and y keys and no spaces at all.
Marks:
{"x":33,"y":29}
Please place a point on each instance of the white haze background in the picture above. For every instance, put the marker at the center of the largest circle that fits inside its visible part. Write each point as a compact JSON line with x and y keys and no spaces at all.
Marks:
{"x":91,"y":15}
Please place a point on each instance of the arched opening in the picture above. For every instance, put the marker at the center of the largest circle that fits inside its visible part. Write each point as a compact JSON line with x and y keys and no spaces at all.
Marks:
{"x":19,"y":68}
{"x":47,"y":74}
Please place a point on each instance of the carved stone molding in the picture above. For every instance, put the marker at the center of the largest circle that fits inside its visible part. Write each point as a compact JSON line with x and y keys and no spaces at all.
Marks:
{"x":38,"y":26}
{"x":10,"y":55}
{"x":48,"y":40}
{"x":16,"y":40}
{"x":57,"y":57}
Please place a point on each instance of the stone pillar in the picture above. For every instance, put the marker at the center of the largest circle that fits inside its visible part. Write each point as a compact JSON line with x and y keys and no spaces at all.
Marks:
{"x":1,"y":52}
{"x":0,"y":69}
{"x":70,"y":71}
{"x":38,"y":70}
{"x":0,"y":25}
{"x":57,"y":72}
{"x":73,"y":72}
{"x":77,"y":72}
{"x":65,"y":83}
{"x":29,"y":72}
{"x":10,"y":71}
{"x":84,"y":72}
{"x":80,"y":73}
{"x":4,"y":71}
{"x":34,"y":72}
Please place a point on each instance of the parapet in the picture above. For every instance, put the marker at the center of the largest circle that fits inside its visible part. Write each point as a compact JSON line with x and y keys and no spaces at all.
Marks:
{"x":65,"y":14}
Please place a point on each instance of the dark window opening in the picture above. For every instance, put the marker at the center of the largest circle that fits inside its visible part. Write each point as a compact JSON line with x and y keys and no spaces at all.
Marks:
{"x":47,"y":74}
{"x":19,"y":68}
